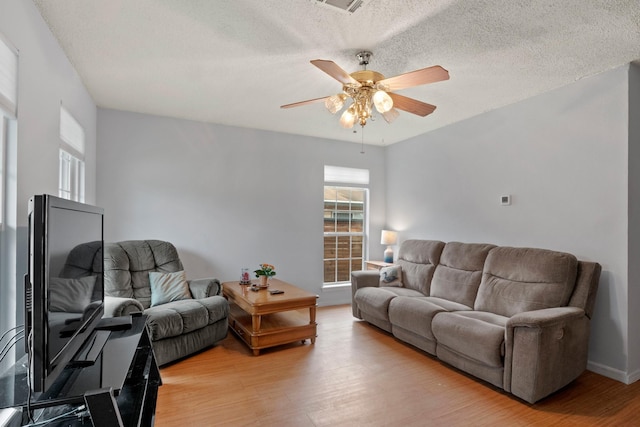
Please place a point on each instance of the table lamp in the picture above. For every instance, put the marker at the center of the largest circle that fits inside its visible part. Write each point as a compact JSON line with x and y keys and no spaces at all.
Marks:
{"x":388,"y":238}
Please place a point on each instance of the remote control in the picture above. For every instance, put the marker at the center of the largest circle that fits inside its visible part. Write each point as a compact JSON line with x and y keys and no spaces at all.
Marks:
{"x":276,"y":291}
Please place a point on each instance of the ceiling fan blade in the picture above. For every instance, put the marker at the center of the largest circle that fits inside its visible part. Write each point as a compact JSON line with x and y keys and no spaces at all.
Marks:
{"x":411,"y":105}
{"x":335,"y":71}
{"x":415,"y":78}
{"x":309,"y":101}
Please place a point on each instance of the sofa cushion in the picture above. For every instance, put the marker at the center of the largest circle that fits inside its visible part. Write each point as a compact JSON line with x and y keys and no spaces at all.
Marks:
{"x":418,"y":259}
{"x":217,"y":306}
{"x":117,"y":277}
{"x":416,"y":313}
{"x":476,"y":335}
{"x":516,"y":280}
{"x":72,"y":295}
{"x":458,"y":275}
{"x":391,"y":276}
{"x":168,"y":287}
{"x":181,"y":317}
{"x":127,"y":266}
{"x":375,"y":301}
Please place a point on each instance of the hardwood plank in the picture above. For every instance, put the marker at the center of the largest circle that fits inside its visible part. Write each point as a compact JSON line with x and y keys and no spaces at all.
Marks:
{"x":357,"y":374}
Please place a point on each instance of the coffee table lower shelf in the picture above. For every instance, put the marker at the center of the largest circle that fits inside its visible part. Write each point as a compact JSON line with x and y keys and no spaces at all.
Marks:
{"x":275,"y":328}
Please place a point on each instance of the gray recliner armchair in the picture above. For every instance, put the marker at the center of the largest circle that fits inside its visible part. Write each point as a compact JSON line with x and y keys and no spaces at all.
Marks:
{"x":195,"y":320}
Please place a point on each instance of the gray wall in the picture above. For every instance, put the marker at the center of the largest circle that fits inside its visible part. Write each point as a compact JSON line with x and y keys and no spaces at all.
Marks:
{"x":563,"y":157}
{"x":634,"y":220}
{"x":569,"y":158}
{"x":45,"y":79}
{"x":227,"y":197}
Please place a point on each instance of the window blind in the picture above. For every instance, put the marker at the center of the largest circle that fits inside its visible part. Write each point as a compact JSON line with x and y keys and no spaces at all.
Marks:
{"x":346,"y":175}
{"x":8,"y":78}
{"x":71,"y":132}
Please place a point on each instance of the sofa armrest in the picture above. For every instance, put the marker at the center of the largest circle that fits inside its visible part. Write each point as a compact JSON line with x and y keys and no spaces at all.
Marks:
{"x":544,"y":351}
{"x":204,"y":288}
{"x":117,"y":306}
{"x":362,"y":279}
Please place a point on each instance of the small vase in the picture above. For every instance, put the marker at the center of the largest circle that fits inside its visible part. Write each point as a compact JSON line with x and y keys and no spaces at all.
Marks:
{"x":263,"y":281}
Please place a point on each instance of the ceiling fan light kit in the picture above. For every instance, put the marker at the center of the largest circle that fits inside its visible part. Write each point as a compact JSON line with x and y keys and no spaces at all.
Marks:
{"x":368,"y":89}
{"x":334,"y":103}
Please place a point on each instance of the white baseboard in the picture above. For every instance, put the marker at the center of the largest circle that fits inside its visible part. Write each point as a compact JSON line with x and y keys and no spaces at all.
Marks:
{"x":634,"y":376}
{"x":614,"y":374}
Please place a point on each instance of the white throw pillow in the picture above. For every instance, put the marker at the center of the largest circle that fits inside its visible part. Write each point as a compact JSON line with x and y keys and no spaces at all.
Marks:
{"x":391,"y":276}
{"x":167,"y":287}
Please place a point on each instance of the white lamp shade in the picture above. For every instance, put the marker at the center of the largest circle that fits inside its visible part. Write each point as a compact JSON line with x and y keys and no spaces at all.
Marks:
{"x":382,"y":101}
{"x":335,"y":103}
{"x":348,"y":118}
{"x":388,"y":237}
{"x":390,"y":115}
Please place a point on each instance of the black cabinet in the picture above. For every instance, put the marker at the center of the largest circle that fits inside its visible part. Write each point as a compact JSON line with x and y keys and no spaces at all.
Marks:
{"x":119,"y":389}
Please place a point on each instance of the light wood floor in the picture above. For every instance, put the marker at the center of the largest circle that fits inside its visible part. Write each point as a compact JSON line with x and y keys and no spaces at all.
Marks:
{"x":357,"y":375}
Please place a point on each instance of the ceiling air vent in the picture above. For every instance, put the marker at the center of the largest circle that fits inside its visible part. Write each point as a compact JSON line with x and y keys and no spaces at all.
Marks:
{"x":344,"y":5}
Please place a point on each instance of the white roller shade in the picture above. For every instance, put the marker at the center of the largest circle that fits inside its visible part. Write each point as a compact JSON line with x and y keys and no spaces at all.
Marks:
{"x":8,"y":78}
{"x":346,"y":175}
{"x":71,"y":132}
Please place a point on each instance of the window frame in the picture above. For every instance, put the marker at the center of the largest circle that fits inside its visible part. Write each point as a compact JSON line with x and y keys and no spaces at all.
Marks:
{"x":71,"y":165}
{"x":364,"y":234}
{"x":9,"y":63}
{"x":4,"y":129}
{"x":71,"y":177}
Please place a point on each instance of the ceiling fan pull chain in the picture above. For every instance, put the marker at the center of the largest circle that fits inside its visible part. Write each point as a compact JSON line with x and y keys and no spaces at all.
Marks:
{"x":362,"y":135}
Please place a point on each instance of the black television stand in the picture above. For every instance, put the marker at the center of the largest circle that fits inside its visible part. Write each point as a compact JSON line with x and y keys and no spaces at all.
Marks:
{"x":134,"y":404}
{"x":91,"y":349}
{"x":119,"y":389}
{"x":115,"y":323}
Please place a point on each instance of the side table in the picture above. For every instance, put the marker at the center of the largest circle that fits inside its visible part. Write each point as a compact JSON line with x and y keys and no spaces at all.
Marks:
{"x":376,"y":265}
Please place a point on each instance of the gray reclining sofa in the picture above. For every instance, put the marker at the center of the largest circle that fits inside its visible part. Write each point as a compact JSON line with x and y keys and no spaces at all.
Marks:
{"x":177,"y":328}
{"x":518,"y":318}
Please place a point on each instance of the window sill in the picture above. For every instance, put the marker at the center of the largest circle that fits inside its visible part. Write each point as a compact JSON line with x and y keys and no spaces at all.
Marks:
{"x":336,"y":286}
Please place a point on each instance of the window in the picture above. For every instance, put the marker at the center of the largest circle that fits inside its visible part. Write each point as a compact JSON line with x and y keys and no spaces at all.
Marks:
{"x":8,"y":78}
{"x":71,"y":164}
{"x":71,"y":179}
{"x":3,"y":138}
{"x":345,"y":223}
{"x":8,"y":109}
{"x":9,"y":241}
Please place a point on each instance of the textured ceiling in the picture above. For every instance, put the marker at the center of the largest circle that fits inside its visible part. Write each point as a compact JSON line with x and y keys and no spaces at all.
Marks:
{"x":235,"y":62}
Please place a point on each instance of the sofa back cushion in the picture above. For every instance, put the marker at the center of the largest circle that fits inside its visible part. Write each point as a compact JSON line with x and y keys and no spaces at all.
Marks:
{"x":418,"y":259}
{"x":127,"y":266}
{"x":85,"y":260}
{"x":459,"y":272}
{"x":515,"y":280}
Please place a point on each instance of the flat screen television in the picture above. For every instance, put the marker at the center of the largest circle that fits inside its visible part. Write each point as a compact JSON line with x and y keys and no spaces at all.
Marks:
{"x":64,"y":286}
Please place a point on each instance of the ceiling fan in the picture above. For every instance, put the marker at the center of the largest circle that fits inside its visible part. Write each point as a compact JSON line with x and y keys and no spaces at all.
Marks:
{"x":368,"y":88}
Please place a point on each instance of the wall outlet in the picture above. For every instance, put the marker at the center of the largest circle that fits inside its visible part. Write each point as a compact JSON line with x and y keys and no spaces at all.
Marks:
{"x":505,"y":200}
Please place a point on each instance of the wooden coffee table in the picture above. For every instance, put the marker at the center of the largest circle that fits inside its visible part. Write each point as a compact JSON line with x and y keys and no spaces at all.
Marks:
{"x":263,"y":320}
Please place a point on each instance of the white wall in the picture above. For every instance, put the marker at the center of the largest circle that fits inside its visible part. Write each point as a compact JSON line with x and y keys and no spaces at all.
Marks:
{"x":562,"y":156}
{"x":227,"y":197}
{"x":45,"y":79}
